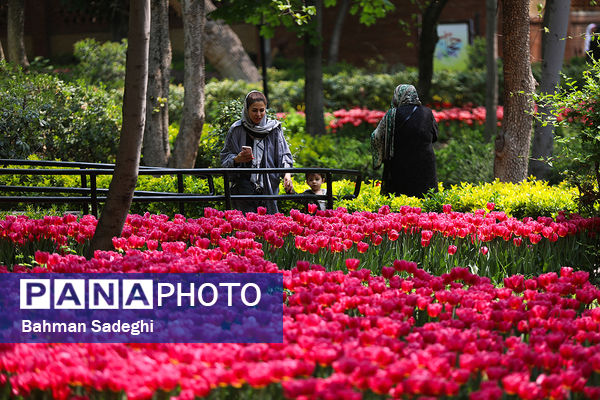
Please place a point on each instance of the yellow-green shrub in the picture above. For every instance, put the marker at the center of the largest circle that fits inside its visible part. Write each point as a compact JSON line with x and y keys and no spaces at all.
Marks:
{"x":529,"y":198}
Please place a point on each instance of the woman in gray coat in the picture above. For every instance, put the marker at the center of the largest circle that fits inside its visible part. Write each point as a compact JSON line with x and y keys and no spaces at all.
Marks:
{"x":256,"y":141}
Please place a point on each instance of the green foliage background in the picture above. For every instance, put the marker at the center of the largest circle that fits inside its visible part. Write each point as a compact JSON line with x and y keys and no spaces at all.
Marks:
{"x":42,"y":114}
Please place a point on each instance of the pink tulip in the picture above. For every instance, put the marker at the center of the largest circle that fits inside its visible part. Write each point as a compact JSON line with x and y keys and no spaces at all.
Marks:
{"x":352,"y":264}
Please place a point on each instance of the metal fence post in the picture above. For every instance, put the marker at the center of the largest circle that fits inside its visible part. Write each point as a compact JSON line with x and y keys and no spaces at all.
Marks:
{"x":180,"y":191}
{"x":93,"y":195}
{"x":329,"y":190}
{"x":227,"y":191}
{"x":86,"y":207}
{"x":357,"y":184}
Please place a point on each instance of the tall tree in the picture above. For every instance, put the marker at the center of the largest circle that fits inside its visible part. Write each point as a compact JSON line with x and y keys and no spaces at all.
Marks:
{"x":223,"y":48}
{"x":190,"y":131}
{"x":513,"y":141}
{"x":225,"y":52}
{"x":1,"y":52}
{"x":313,"y":72}
{"x":556,"y":21}
{"x":156,"y":148}
{"x":122,"y":186}
{"x":15,"y":36}
{"x":491,"y":66}
{"x":427,"y":42}
{"x":336,"y":34}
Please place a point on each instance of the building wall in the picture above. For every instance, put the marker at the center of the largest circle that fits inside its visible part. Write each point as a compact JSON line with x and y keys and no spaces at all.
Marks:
{"x":52,"y":29}
{"x":579,"y":19}
{"x":385,"y":41}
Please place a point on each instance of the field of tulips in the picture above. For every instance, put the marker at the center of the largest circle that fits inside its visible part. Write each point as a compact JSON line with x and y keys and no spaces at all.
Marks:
{"x":465,"y":115}
{"x":376,"y":305}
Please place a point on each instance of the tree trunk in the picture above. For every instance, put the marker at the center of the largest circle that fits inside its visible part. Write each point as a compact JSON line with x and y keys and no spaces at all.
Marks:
{"x":491,"y":61}
{"x":334,"y":45}
{"x":15,"y":36}
{"x":1,"y":52}
{"x":556,"y":19}
{"x":427,"y":42}
{"x":225,"y":52}
{"x":124,"y":179}
{"x":156,"y":149}
{"x":186,"y":143}
{"x":313,"y":69}
{"x":513,"y":141}
{"x":223,"y":48}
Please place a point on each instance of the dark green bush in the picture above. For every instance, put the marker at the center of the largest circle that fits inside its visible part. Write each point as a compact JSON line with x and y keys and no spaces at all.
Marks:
{"x":220,"y":92}
{"x":101,"y":63}
{"x":464,"y":157}
{"x":40,"y":114}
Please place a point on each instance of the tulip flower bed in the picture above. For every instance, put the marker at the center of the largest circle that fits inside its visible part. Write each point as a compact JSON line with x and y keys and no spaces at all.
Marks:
{"x":487,"y":241}
{"x":359,"y":320}
{"x":464,"y":115}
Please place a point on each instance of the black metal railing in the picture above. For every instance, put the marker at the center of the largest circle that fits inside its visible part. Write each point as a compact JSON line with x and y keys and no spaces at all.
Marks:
{"x":91,"y":196}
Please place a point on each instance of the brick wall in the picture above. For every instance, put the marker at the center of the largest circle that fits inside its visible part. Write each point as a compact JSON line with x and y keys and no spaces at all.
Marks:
{"x":385,"y":41}
{"x":51,"y":29}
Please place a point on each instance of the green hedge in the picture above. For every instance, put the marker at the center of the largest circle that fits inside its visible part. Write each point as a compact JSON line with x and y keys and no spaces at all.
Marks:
{"x":40,"y":114}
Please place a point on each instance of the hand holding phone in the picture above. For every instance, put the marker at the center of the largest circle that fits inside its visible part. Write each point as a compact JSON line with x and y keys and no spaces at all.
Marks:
{"x":245,"y":155}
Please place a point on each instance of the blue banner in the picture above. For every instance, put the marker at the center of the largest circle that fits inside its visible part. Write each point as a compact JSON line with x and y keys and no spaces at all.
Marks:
{"x":141,"y":308}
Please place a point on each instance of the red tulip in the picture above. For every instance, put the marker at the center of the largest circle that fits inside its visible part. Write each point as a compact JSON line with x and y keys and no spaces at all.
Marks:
{"x":352,"y":264}
{"x":387,"y":272}
{"x":362,"y":247}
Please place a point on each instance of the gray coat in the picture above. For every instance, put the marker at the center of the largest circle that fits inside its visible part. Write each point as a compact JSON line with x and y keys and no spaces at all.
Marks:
{"x":277,"y":154}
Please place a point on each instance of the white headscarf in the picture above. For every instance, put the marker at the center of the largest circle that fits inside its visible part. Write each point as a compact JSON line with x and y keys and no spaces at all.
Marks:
{"x":588,"y":36}
{"x":265,"y":125}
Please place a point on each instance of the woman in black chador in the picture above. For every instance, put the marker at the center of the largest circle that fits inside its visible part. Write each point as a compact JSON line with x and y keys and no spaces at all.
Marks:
{"x":403,"y":143}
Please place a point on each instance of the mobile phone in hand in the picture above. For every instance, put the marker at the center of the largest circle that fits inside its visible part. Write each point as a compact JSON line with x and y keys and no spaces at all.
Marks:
{"x":247,"y":149}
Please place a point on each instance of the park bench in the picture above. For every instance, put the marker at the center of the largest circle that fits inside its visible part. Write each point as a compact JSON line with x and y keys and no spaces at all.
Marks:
{"x":90,"y":196}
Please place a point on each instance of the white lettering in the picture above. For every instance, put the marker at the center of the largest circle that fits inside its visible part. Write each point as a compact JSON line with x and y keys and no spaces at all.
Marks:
{"x":52,"y":327}
{"x":201,"y":297}
{"x":181,"y":293}
{"x":134,"y":328}
{"x":229,"y":285}
{"x":162,"y":294}
{"x":244,"y":300}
